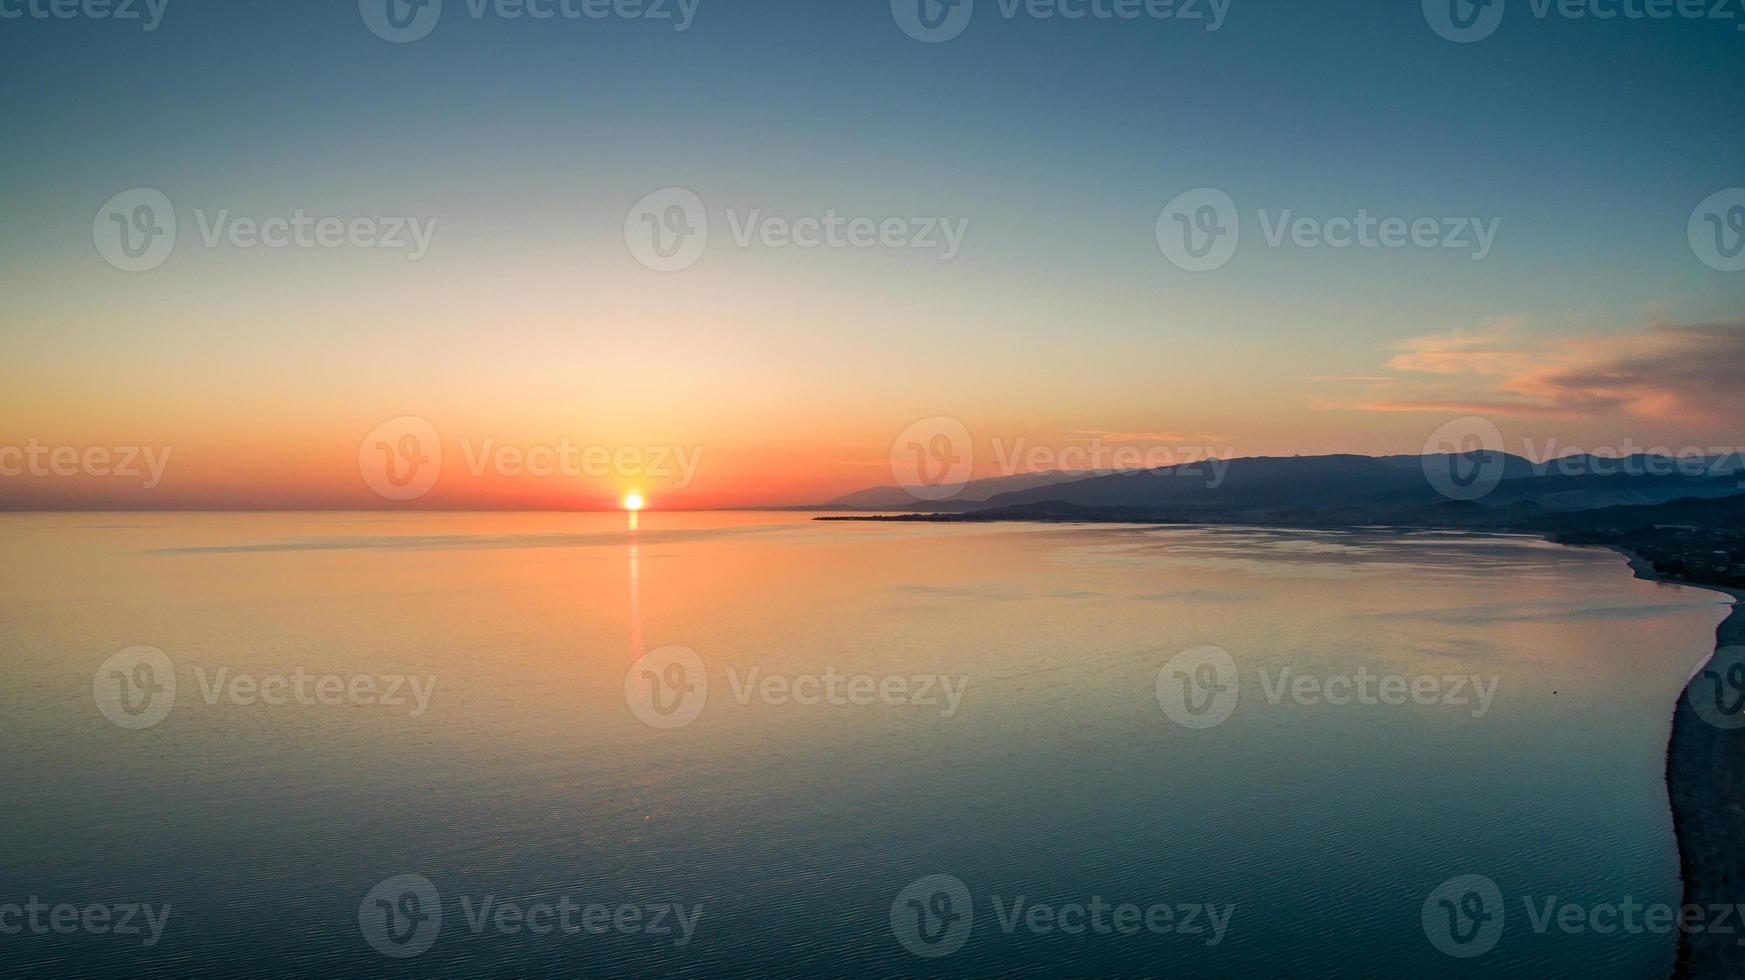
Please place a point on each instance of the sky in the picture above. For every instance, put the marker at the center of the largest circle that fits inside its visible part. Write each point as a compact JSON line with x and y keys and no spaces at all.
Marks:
{"x":496,"y":280}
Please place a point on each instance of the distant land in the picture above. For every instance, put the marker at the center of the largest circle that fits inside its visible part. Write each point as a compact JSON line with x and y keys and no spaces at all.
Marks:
{"x":1683,"y":515}
{"x":975,"y":491}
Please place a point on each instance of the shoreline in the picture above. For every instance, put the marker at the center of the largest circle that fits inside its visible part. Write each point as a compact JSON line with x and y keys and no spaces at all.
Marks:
{"x":1705,"y":787}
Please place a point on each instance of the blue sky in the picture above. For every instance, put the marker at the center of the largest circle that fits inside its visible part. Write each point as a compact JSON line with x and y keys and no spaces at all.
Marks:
{"x":1589,"y":143}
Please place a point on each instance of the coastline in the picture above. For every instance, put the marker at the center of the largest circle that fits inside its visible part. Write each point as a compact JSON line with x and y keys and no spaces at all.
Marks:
{"x":1705,"y":786}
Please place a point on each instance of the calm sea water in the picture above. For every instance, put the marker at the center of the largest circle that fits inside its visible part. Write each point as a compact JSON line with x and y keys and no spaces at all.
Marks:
{"x":553,"y":768}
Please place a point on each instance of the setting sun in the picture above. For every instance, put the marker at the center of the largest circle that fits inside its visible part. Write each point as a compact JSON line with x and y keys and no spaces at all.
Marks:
{"x":633,"y":501}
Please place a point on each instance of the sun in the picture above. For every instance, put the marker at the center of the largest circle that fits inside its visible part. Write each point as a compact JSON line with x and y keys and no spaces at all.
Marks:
{"x":633,"y":501}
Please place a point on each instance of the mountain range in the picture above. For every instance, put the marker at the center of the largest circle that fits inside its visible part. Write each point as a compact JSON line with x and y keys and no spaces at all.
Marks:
{"x":1453,"y":489}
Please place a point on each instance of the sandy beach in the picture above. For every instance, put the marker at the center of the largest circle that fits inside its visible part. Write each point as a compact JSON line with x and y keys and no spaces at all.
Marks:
{"x":1705,"y":781}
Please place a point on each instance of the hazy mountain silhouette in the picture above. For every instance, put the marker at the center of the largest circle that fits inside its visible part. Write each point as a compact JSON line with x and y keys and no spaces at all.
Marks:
{"x":1347,"y":489}
{"x":975,"y":491}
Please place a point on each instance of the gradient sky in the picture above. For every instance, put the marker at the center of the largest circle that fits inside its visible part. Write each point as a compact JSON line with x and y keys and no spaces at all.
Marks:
{"x":1591,"y":323}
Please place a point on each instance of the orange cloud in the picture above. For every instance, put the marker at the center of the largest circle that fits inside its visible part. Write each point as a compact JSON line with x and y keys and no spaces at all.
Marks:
{"x":1665,"y":372}
{"x":1492,"y":349}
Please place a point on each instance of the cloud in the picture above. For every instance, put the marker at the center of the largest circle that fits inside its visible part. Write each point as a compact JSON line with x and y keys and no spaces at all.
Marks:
{"x":1682,"y":373}
{"x":1490,"y":349}
{"x":1179,"y":438}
